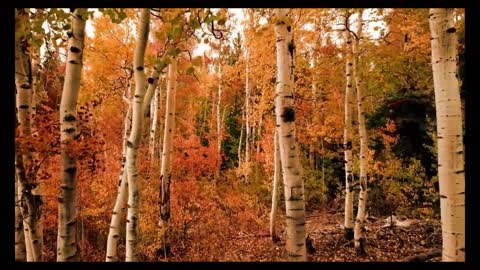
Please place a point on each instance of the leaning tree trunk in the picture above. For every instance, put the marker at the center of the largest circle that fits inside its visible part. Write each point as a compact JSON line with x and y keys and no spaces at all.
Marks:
{"x":167,"y":155}
{"x":276,"y":178}
{"x":29,"y":202}
{"x":451,"y":170}
{"x":122,"y":195}
{"x":285,"y":121}
{"x":239,"y":151}
{"x":347,"y":138}
{"x":134,"y":139}
{"x":362,"y":131}
{"x":150,"y":102}
{"x":67,"y":220}
{"x":151,"y":90}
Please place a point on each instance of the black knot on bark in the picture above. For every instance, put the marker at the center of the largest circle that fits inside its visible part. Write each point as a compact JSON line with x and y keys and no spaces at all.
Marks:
{"x":140,"y":68}
{"x":291,"y":47}
{"x":289,"y":28}
{"x":25,"y":86}
{"x":451,"y":30}
{"x":69,"y":118}
{"x":69,"y":130}
{"x":150,"y":80}
{"x":349,"y":145}
{"x":71,"y":170}
{"x":69,"y":34}
{"x":74,"y":49}
{"x":288,"y":114}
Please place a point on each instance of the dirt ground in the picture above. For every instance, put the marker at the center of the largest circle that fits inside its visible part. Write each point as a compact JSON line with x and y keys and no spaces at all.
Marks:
{"x":383,"y":244}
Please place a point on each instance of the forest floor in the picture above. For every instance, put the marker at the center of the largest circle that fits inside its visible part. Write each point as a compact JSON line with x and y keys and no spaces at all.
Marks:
{"x":384,"y":243}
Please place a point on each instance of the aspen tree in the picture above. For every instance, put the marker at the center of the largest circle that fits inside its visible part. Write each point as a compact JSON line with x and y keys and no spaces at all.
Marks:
{"x":167,"y":154}
{"x":451,"y":167}
{"x":347,"y":135}
{"x":285,"y":122}
{"x":154,"y":126}
{"x":29,"y":203}
{"x":67,"y":249}
{"x":134,"y":139}
{"x":20,"y":248}
{"x":362,"y":131}
{"x":219,"y":120}
{"x":276,"y":179}
{"x":122,"y":194}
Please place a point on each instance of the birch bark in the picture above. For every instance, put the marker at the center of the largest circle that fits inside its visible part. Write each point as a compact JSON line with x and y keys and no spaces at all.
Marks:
{"x":451,"y":167}
{"x":285,"y":122}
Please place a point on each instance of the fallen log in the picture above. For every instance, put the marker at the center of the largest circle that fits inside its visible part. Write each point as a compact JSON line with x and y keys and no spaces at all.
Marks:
{"x":424,"y":256}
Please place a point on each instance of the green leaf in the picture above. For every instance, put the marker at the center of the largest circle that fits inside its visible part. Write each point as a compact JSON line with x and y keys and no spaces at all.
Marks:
{"x":190,"y":70}
{"x":173,"y":51}
{"x":122,"y":15}
{"x":66,"y":26}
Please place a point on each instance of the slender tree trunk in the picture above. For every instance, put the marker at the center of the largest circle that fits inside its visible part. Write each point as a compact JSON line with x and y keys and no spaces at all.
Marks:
{"x":29,"y":202}
{"x":276,"y":179}
{"x":167,"y":154}
{"x":134,"y":139}
{"x":362,"y":130}
{"x":219,"y":120}
{"x":240,"y":143}
{"x":151,"y":90}
{"x":67,"y":249}
{"x":247,"y":116}
{"x":122,"y":195}
{"x":285,"y":121}
{"x":259,"y":133}
{"x":35,"y":86}
{"x":347,"y":138}
{"x":451,"y":170}
{"x":161,"y":126}
{"x":154,"y":127}
{"x":20,"y":248}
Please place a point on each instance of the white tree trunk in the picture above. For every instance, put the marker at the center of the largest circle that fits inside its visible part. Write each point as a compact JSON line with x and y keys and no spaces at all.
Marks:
{"x":240,"y":143}
{"x":285,"y":121}
{"x":29,"y":202}
{"x":154,"y":126}
{"x":276,"y":180}
{"x":122,"y":195}
{"x":219,"y":118}
{"x":247,"y":116}
{"x":67,"y":249}
{"x":167,"y":154}
{"x":151,"y":90}
{"x":347,"y":139}
{"x":134,"y":139}
{"x":35,"y":85}
{"x":20,"y":248}
{"x":362,"y":131}
{"x":451,"y":170}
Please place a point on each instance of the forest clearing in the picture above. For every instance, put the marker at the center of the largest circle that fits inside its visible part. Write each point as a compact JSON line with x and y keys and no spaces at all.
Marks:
{"x":198,"y":134}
